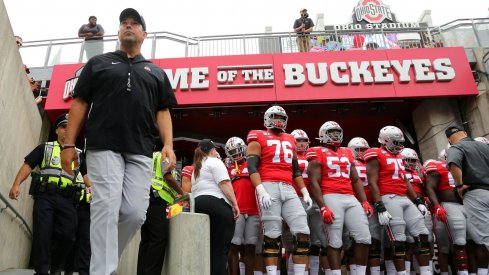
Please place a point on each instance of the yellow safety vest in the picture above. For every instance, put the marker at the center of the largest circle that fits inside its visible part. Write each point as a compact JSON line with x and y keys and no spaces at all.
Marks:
{"x":158,"y":181}
{"x":51,"y":167}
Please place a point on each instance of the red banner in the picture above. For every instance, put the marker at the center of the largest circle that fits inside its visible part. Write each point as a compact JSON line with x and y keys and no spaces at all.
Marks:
{"x":322,"y":76}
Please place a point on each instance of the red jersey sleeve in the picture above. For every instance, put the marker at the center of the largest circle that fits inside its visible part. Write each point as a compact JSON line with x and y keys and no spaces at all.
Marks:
{"x":313,"y":154}
{"x":252,"y":136}
{"x":187,"y":172}
{"x":370,"y":154}
{"x":431,"y":167}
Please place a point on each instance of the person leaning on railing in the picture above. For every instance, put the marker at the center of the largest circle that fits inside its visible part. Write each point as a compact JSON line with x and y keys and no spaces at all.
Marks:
{"x":93,"y":33}
{"x":303,"y":26}
{"x":55,"y":193}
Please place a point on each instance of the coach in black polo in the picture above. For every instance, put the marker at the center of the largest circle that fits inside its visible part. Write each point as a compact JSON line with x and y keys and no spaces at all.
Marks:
{"x":468,"y":161}
{"x":125,"y":100}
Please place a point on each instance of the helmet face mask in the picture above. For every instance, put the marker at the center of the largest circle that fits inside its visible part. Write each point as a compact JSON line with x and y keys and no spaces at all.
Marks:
{"x":392,"y":139}
{"x":358,"y":146}
{"x":411,"y":164}
{"x":235,"y":149}
{"x":331,"y":133}
{"x":275,"y":118}
{"x":410,"y":159}
{"x":301,"y":140}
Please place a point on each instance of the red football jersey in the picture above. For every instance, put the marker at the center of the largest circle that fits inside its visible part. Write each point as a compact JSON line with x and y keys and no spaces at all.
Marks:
{"x":391,"y":170}
{"x":362,"y":174}
{"x":335,"y":174}
{"x":187,"y":172}
{"x":415,"y":180}
{"x":446,"y":181}
{"x":301,"y":158}
{"x":276,"y":155}
{"x":243,"y":188}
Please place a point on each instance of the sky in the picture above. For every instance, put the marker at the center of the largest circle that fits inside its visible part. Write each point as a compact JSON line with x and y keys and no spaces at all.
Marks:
{"x":52,"y":19}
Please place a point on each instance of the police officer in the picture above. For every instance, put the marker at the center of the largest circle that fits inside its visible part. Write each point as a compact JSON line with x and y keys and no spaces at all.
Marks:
{"x":468,"y":162}
{"x":154,"y":232}
{"x":79,"y":258}
{"x":54,"y":212}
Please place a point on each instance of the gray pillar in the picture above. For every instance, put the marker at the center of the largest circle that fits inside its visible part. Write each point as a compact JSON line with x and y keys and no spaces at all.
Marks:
{"x":431,"y":118}
{"x":189,"y":248}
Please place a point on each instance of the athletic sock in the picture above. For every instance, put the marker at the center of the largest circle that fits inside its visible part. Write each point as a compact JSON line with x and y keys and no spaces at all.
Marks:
{"x":424,"y":270}
{"x":361,"y":269}
{"x":335,"y":271}
{"x":390,"y":268}
{"x":403,"y":272}
{"x":290,"y":266}
{"x":257,"y":273}
{"x":328,"y":271}
{"x":313,"y":265}
{"x":299,"y":269}
{"x":481,"y":271}
{"x":463,"y":272}
{"x":353,"y":269}
{"x":375,"y":270}
{"x":241,"y":268}
{"x":407,"y":264}
{"x":271,"y":269}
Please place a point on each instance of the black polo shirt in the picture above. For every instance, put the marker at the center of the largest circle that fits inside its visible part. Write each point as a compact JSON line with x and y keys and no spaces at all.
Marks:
{"x":473,"y":158}
{"x":124,"y":96}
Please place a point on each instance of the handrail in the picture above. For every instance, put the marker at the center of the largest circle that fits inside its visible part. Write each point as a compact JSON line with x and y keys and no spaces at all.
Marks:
{"x":17,"y":214}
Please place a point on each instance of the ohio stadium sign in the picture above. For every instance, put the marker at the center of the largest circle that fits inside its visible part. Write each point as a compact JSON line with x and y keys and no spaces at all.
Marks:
{"x":374,"y":15}
{"x":346,"y":75}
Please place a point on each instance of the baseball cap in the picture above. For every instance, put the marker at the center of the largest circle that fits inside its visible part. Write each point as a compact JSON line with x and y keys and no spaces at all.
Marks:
{"x":62,"y":119}
{"x":130,"y":12}
{"x":206,"y":145}
{"x":452,"y":130}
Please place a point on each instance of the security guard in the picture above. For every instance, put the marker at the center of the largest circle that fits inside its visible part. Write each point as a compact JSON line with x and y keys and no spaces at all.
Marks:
{"x":54,"y":191}
{"x":154,"y":232}
{"x":79,"y":258}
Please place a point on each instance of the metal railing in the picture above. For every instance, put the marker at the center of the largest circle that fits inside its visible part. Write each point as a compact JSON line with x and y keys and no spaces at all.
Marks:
{"x":17,"y":214}
{"x":468,"y":33}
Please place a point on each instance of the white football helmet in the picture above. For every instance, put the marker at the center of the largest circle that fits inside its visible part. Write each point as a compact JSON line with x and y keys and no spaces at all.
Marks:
{"x":331,"y":133}
{"x":482,"y":139}
{"x":358,"y":146}
{"x":392,"y":139}
{"x":410,"y":158}
{"x":301,"y":140}
{"x":443,"y":155}
{"x":235,"y":149}
{"x":271,"y":122}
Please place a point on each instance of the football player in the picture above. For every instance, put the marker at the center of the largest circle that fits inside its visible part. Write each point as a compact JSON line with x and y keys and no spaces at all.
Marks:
{"x":411,"y":167}
{"x":314,"y":220}
{"x":334,"y":183}
{"x":273,"y":169}
{"x":389,"y":189}
{"x":358,"y":146}
{"x":449,"y":213}
{"x":248,"y":223}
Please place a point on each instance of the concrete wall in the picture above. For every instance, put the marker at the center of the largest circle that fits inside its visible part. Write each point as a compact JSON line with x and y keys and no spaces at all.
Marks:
{"x":21,"y":125}
{"x":188,"y":250}
{"x":430,"y":119}
{"x":477,"y":108}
